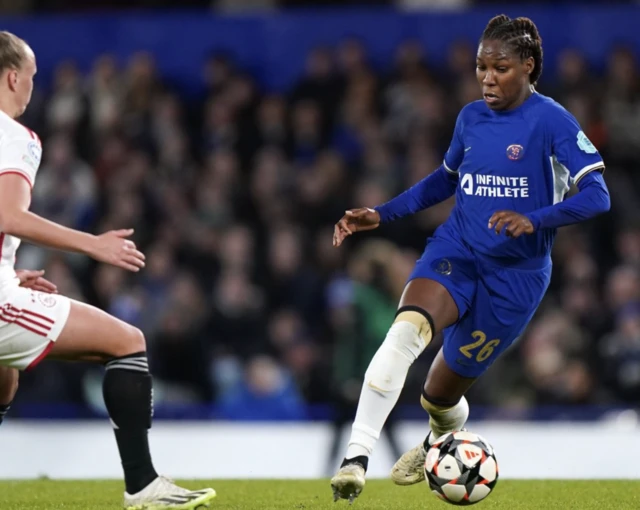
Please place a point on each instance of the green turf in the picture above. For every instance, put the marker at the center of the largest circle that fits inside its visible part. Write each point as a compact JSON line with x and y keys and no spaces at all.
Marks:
{"x":316,"y":494}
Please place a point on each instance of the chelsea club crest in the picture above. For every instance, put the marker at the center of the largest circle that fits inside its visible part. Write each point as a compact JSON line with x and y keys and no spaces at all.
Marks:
{"x":514,"y":152}
{"x":443,"y":266}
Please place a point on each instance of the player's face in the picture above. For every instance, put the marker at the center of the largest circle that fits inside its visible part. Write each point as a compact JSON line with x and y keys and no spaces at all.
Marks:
{"x":23,"y":82}
{"x":503,"y":76}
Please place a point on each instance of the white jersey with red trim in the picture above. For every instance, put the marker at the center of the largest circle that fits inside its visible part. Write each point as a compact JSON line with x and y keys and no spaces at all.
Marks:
{"x":20,"y":153}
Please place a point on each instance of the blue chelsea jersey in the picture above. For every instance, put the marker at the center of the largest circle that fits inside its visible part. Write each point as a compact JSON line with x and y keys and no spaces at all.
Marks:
{"x":519,"y":160}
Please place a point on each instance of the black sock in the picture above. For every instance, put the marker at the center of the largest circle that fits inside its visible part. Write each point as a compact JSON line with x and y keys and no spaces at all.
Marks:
{"x":128,"y":396}
{"x":4,"y":408}
{"x":360,"y":459}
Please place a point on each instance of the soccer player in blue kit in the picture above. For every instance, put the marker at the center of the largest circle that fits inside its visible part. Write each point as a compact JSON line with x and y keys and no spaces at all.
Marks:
{"x":486,"y":269}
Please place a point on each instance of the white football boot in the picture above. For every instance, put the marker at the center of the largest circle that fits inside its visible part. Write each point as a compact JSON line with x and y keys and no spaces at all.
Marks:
{"x":163,"y":494}
{"x":409,"y":469}
{"x":348,"y":482}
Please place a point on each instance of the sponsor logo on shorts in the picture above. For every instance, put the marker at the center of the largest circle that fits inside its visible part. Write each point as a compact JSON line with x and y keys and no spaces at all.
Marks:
{"x":46,"y":299}
{"x":443,"y":266}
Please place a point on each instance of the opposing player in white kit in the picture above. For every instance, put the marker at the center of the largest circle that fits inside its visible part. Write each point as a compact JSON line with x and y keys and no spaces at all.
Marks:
{"x":36,"y":322}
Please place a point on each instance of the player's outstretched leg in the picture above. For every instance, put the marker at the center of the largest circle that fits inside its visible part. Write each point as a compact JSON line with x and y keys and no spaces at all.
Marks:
{"x":443,"y":398}
{"x":408,"y":336}
{"x":410,"y":333}
{"x":8,"y":387}
{"x":93,"y":335}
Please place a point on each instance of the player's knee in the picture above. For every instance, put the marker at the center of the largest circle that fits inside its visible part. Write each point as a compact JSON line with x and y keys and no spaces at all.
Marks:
{"x":419,"y":318}
{"x":130,"y":341}
{"x":137,"y":341}
{"x":408,"y":336}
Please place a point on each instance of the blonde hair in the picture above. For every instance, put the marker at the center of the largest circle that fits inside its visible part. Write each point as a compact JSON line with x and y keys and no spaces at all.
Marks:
{"x":12,"y":51}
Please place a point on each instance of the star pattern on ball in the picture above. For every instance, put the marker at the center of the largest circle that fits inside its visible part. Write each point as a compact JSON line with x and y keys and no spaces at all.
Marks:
{"x":463,"y":468}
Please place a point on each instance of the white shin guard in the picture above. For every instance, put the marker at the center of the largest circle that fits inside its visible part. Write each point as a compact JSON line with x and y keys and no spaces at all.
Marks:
{"x":383,"y":382}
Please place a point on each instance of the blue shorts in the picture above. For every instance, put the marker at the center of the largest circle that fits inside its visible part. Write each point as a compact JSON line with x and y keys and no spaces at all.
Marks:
{"x":496,"y":299}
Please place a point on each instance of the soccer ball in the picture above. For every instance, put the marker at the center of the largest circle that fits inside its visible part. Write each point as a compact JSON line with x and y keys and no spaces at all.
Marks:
{"x":461,"y":468}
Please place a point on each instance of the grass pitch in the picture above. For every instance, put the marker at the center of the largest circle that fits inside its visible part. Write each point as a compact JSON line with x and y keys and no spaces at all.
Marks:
{"x":316,"y":494}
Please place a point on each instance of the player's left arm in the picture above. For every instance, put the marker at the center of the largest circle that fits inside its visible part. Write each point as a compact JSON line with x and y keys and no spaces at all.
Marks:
{"x":571,"y":148}
{"x":592,"y":200}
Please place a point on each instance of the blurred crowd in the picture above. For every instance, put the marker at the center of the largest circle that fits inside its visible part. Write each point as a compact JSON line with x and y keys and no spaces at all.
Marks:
{"x":233,"y":195}
{"x":26,"y":6}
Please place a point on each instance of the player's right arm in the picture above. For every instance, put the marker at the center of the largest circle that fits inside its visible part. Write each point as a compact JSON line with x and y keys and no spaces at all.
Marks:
{"x":16,"y":220}
{"x":433,"y":189}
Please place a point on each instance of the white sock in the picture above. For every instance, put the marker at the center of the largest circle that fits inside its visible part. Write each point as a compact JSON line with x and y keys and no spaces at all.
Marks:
{"x":383,"y":383}
{"x":443,"y":420}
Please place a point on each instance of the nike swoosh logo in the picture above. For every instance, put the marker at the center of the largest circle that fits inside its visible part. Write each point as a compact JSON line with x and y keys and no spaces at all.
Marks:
{"x":467,"y":149}
{"x":376,"y":388}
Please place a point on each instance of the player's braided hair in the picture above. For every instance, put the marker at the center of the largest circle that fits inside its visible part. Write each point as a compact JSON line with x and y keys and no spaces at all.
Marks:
{"x":12,"y":51}
{"x":522,"y":35}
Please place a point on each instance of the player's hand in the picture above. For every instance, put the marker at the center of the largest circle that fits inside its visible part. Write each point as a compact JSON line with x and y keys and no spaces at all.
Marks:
{"x":34,"y":280}
{"x":513,"y":223}
{"x":355,"y":220}
{"x":114,"y":248}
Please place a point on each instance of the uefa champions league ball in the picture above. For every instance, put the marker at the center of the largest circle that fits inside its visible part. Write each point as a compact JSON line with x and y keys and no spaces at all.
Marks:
{"x":461,"y":468}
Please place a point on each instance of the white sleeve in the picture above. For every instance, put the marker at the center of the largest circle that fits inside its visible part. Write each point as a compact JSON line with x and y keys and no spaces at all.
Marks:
{"x":21,"y":156}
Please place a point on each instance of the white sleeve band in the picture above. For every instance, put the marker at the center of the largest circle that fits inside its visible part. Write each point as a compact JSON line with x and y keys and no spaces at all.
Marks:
{"x":444,"y":163}
{"x":21,"y":173}
{"x":587,"y":169}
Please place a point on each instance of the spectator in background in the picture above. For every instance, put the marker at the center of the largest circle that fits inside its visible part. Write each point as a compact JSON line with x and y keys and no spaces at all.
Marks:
{"x":179,"y":347}
{"x":66,"y":108}
{"x":267,"y":393}
{"x":620,"y":355}
{"x":621,"y":108}
{"x":104,"y":92}
{"x":67,"y":190}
